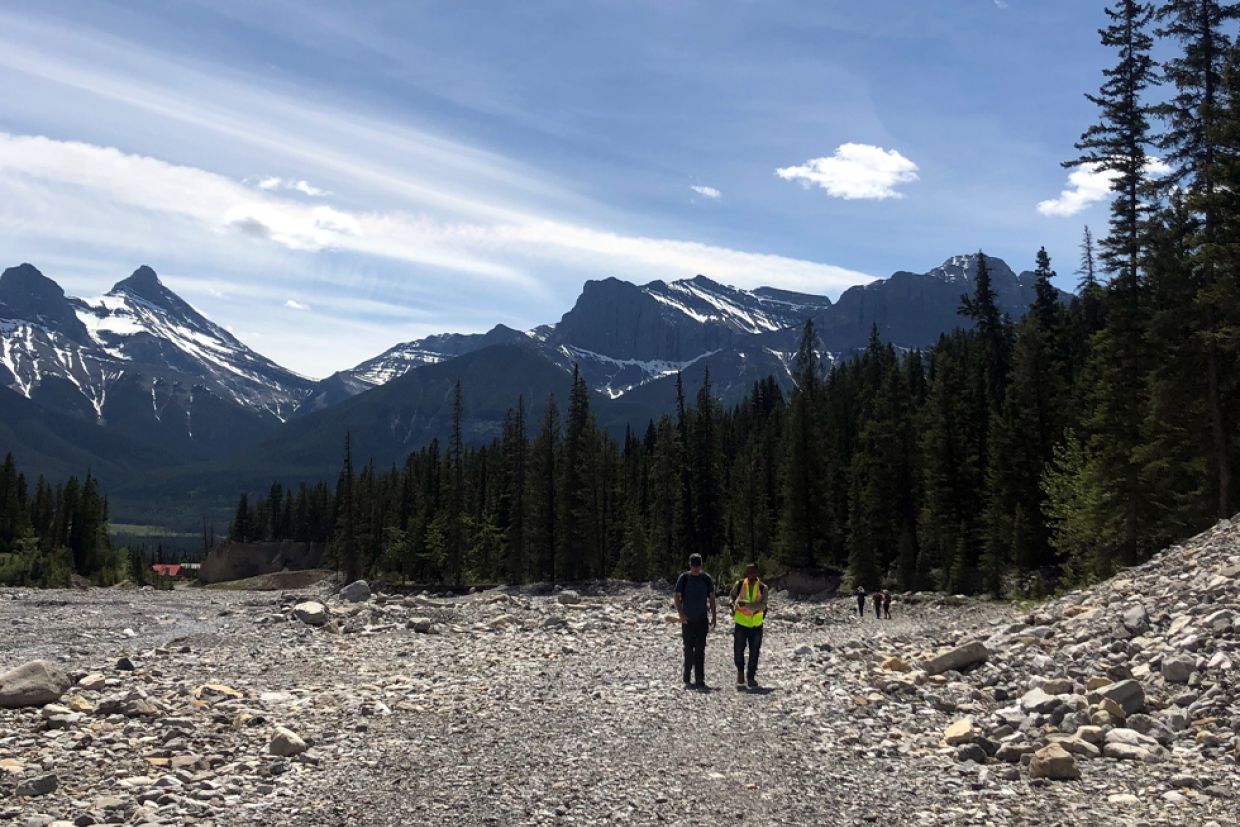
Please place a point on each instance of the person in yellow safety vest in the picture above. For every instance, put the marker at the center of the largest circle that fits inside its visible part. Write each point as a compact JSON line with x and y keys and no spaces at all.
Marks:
{"x":748,"y":610}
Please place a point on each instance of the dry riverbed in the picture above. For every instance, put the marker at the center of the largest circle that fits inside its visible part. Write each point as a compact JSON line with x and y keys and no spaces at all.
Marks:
{"x":518,"y":708}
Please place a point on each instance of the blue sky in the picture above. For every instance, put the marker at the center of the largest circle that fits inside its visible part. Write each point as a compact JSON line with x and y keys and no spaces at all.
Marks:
{"x":328,"y":179}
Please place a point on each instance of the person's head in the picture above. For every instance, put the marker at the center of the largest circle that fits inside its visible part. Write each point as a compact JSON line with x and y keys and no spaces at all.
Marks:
{"x":695,"y":563}
{"x":751,"y":571}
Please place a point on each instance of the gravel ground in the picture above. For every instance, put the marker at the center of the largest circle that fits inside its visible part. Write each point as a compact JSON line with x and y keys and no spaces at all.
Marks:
{"x":517,"y":709}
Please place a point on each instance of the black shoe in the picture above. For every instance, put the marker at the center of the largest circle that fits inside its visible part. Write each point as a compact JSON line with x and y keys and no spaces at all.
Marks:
{"x":701,"y":685}
{"x":740,"y":680}
{"x":753,"y":683}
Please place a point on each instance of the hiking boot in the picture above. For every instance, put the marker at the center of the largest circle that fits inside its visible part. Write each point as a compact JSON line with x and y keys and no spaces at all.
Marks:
{"x":753,"y":683}
{"x":701,"y":685}
{"x":740,"y":679}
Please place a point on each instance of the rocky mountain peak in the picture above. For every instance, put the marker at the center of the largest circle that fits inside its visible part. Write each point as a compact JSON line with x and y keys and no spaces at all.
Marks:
{"x":24,"y":283}
{"x":963,"y":269}
{"x":28,"y":295}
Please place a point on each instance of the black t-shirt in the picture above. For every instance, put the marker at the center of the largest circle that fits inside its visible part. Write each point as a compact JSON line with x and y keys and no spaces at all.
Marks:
{"x":695,"y":592}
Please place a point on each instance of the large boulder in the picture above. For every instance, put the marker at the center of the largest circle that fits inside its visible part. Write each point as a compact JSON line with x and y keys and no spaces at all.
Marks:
{"x":1054,"y":762}
{"x":960,"y":658}
{"x":286,"y":743}
{"x":1129,"y":694}
{"x":356,"y":592}
{"x":35,"y":683}
{"x":1178,"y":668}
{"x":312,"y":613}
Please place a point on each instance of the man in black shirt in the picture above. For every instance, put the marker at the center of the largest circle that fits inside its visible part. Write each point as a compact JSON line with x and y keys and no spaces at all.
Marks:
{"x":695,"y":595}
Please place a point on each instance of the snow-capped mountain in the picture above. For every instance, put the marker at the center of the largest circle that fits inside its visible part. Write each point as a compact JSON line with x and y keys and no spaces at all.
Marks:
{"x":399,"y":360}
{"x":620,"y":335}
{"x":139,"y":360}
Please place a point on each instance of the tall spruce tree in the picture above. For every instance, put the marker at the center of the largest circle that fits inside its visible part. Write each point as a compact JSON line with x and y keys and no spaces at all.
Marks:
{"x":1191,"y":139}
{"x":544,"y":494}
{"x":454,"y":537}
{"x":804,"y":523}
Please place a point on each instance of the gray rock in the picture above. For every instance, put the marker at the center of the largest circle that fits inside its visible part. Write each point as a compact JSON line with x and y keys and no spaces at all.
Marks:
{"x":312,"y":613}
{"x":1036,"y":700}
{"x":39,"y":785}
{"x":568,"y":597}
{"x":421,"y":625}
{"x":286,"y":743}
{"x":356,"y":592}
{"x":36,"y":683}
{"x":971,"y":752}
{"x":1127,"y":752}
{"x":1136,"y":620}
{"x":1178,"y":668}
{"x":1129,"y":694}
{"x":960,"y":658}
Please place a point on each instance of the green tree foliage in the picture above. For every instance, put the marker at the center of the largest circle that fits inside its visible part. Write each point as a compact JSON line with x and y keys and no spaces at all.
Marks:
{"x":51,"y":534}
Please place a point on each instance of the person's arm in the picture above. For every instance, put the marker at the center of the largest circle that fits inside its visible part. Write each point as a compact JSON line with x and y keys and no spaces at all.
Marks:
{"x":677,"y":600}
{"x":712,"y":608}
{"x":760,"y":603}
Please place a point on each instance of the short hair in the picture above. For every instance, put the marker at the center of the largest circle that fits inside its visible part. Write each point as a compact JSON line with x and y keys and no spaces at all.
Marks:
{"x":753,"y":566}
{"x":695,"y":559}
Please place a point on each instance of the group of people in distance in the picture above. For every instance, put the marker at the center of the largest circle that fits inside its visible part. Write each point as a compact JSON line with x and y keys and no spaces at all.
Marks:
{"x":882,"y":602}
{"x":695,"y":600}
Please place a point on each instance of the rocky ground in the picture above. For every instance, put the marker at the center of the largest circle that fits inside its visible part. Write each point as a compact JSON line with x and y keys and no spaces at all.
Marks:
{"x":1117,"y":705}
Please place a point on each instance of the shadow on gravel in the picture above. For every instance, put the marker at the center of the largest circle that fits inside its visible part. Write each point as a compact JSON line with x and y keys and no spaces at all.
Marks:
{"x":761,"y":690}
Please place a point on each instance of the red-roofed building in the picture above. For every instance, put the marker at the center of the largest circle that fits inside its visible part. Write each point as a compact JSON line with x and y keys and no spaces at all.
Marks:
{"x":166,"y":569}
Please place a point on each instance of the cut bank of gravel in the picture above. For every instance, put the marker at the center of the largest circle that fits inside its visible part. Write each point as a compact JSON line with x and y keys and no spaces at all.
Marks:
{"x":518,"y":709}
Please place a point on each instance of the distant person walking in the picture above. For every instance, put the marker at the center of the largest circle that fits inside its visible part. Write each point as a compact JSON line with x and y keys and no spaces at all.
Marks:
{"x":748,"y":611}
{"x":860,"y":594}
{"x":886,"y":604}
{"x":695,"y":603}
{"x":877,"y":597}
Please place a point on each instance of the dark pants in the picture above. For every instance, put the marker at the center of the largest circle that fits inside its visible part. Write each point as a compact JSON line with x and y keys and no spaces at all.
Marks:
{"x":887,"y":610}
{"x":878,"y":610}
{"x":742,"y":635}
{"x":861,"y":607}
{"x":694,"y":635}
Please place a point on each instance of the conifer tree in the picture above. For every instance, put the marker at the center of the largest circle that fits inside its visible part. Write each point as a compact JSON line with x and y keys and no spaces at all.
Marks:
{"x":544,"y":492}
{"x":454,"y":529}
{"x":1192,"y":141}
{"x":804,"y":524}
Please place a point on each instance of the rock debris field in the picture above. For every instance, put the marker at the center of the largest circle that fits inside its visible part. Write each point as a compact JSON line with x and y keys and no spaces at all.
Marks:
{"x":1114,"y":705}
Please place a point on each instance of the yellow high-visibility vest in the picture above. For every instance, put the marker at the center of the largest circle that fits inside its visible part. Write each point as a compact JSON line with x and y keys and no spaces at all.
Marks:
{"x":746,"y":615}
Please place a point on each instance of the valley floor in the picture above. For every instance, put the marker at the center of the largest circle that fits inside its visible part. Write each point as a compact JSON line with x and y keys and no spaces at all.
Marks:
{"x":517,"y":709}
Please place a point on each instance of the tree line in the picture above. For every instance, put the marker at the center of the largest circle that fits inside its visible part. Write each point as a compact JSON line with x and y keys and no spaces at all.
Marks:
{"x":52,"y":532}
{"x":1010,"y":457}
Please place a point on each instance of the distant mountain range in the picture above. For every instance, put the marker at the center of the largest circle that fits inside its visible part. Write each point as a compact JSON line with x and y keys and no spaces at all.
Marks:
{"x":139,"y":383}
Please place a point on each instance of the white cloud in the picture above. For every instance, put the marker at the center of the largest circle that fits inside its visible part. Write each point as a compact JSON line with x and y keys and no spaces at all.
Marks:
{"x":293,"y":304}
{"x":302,"y":186}
{"x":52,"y":179}
{"x":707,"y":192}
{"x":1001,"y":4}
{"x":1088,"y":184}
{"x":855,"y":171}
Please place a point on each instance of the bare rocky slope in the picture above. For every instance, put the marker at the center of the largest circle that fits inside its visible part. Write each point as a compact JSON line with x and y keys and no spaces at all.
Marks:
{"x":1113,"y":705}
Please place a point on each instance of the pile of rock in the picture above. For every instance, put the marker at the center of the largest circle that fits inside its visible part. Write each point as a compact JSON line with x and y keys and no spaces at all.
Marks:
{"x":1142,"y":667}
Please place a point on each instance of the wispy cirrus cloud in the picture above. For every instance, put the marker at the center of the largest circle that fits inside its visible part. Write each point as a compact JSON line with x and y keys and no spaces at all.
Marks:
{"x":70,"y":176}
{"x":1087,"y":185}
{"x":855,"y":171}
{"x":707,"y":192}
